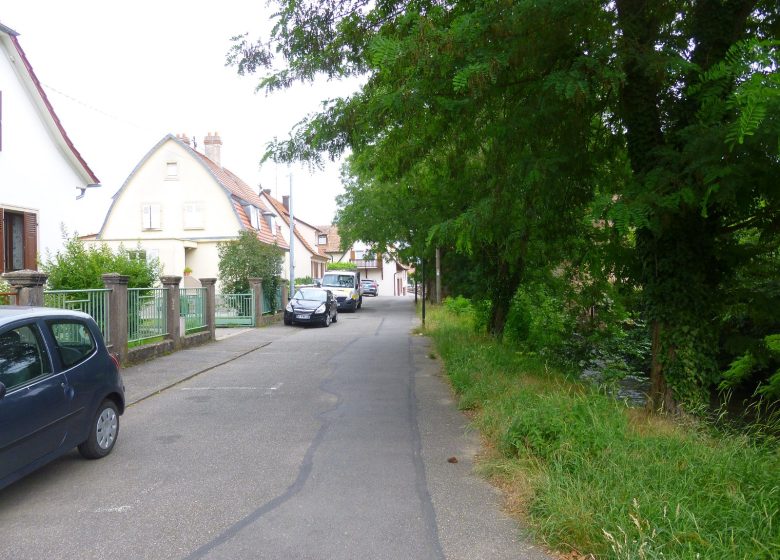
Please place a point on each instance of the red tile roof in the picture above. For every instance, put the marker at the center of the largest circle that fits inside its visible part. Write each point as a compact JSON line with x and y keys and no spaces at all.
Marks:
{"x":240,"y":194}
{"x":285,"y":215}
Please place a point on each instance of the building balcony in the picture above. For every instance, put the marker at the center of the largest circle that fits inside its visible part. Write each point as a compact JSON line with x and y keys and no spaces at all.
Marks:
{"x":362,"y":263}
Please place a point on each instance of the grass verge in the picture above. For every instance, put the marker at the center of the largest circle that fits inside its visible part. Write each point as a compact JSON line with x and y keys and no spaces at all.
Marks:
{"x":591,"y":476}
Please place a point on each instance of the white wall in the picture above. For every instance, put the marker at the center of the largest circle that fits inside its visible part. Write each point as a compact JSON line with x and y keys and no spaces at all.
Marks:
{"x":34,"y":173}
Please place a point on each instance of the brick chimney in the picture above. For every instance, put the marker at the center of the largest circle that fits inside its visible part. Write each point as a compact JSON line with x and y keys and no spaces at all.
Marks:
{"x":184,"y":138}
{"x":213,"y":147}
{"x":286,"y":202}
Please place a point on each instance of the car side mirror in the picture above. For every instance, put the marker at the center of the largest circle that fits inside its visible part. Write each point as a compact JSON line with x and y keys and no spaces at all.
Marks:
{"x":2,"y":389}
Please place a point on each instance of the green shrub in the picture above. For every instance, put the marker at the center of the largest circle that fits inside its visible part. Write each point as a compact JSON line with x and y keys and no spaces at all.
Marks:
{"x":79,"y":266}
{"x":457,"y":305}
{"x":248,"y":257}
{"x":341,"y":266}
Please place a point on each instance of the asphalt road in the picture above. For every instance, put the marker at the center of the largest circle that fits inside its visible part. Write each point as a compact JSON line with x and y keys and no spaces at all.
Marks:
{"x":278,"y":443}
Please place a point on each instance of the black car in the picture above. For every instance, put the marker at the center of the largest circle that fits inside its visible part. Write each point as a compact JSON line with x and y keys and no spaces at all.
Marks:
{"x":312,"y":306}
{"x":59,"y":389}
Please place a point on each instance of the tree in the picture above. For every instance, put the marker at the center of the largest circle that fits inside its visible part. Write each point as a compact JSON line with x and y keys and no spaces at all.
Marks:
{"x":80,"y":267}
{"x":248,"y":257}
{"x":492,"y":127}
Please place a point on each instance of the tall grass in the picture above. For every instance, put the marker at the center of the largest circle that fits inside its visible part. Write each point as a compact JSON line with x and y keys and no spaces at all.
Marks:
{"x":591,"y":475}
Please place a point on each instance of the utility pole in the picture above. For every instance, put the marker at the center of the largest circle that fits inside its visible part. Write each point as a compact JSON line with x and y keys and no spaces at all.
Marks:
{"x":423,"y":292}
{"x":438,"y":275}
{"x":292,"y":239}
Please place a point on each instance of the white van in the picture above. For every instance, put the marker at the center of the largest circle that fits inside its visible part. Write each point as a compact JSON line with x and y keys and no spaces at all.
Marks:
{"x":345,"y":285}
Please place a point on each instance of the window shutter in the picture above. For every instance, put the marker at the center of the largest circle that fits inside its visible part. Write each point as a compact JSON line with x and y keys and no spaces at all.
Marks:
{"x":30,"y":241}
{"x":352,"y":255}
{"x":156,"y":221}
{"x":2,"y":241}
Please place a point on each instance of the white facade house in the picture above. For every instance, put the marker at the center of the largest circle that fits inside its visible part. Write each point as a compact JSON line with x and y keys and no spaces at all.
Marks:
{"x":391,"y":275}
{"x":309,"y":261}
{"x":41,"y":172}
{"x":178,"y":204}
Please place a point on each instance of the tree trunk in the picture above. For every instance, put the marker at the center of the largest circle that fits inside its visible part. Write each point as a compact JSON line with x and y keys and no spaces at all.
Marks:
{"x":661,"y":397}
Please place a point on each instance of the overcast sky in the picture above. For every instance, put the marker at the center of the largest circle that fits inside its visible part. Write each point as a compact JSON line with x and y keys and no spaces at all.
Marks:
{"x":121,"y":75}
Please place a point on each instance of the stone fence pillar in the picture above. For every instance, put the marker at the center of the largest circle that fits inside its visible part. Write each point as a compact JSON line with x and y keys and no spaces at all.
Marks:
{"x":117,"y":313}
{"x":173,"y":308}
{"x":256,"y":286}
{"x":28,"y":285}
{"x":285,"y":294}
{"x":211,"y":304}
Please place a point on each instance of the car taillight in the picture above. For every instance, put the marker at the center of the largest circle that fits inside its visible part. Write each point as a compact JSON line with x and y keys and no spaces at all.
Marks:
{"x":115,"y":359}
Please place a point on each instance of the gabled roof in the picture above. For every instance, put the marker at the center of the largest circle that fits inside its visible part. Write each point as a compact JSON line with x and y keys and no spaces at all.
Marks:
{"x":9,"y":41}
{"x":285,"y":215}
{"x":334,"y":241}
{"x":239,"y":193}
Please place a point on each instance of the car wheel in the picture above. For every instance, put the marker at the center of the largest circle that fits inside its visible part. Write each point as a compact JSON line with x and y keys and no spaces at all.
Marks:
{"x":326,"y":320}
{"x":288,"y":322}
{"x":103,"y":433}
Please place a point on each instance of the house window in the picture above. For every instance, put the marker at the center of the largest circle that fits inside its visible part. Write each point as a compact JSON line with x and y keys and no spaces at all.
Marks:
{"x":150,"y":215}
{"x":19,"y":236}
{"x":137,"y":255}
{"x":146,"y":255}
{"x":193,"y":215}
{"x":322,"y":240}
{"x":254,"y":216}
{"x":171,"y":171}
{"x":270,"y":219}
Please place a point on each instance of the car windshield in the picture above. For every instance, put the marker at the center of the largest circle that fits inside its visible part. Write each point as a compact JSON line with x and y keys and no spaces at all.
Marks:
{"x":311,"y":294}
{"x":339,"y":280}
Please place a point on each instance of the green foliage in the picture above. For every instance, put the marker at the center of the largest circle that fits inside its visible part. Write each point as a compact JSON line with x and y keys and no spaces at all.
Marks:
{"x":78,"y":266}
{"x":248,"y":257}
{"x":602,"y":479}
{"x":522,"y":137}
{"x":457,"y":305}
{"x":306,"y":280}
{"x":341,"y":266}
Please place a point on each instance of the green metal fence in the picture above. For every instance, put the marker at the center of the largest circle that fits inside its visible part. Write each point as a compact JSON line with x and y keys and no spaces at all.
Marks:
{"x":193,"y":309}
{"x":146,"y":314}
{"x":235,"y":310}
{"x":275,"y":304}
{"x":91,"y":302}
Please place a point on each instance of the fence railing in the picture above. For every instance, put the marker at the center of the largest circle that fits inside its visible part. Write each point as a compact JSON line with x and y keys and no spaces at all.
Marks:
{"x":91,"y":302}
{"x":192,"y":306}
{"x":234,"y":310}
{"x":7,"y":298}
{"x":146,"y":314}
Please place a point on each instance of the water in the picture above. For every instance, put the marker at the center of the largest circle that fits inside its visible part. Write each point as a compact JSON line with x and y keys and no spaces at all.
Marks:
{"x":633,"y":389}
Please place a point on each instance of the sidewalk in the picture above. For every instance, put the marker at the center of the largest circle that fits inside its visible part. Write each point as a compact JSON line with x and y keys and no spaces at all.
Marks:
{"x":145,"y":379}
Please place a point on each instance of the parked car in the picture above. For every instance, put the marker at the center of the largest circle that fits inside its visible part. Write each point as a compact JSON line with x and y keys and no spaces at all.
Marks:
{"x":59,"y":389}
{"x":370,"y":287}
{"x":346,"y":288}
{"x":312,"y":306}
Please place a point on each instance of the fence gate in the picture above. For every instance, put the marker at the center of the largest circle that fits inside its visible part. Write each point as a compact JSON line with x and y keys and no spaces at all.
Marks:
{"x":235,"y":310}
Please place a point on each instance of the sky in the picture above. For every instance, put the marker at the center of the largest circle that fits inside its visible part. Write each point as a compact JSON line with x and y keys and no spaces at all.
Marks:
{"x":122,"y":75}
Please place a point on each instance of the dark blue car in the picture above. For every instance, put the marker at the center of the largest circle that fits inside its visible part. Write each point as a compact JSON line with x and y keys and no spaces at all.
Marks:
{"x":59,"y":389}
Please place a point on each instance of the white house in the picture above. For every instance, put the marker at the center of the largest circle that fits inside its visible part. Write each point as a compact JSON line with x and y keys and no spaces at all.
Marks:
{"x":178,"y":204}
{"x":390,"y":274}
{"x":309,"y":261}
{"x":41,"y":172}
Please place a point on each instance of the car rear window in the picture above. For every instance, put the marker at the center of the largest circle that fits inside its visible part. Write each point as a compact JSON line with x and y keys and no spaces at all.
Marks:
{"x":23,"y":356}
{"x":74,"y":341}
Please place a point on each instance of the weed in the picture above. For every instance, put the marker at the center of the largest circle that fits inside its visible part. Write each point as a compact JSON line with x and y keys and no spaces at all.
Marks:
{"x":590,"y":474}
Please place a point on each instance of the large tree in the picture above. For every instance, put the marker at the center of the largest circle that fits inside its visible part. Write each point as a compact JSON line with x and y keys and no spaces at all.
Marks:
{"x":489,"y":126}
